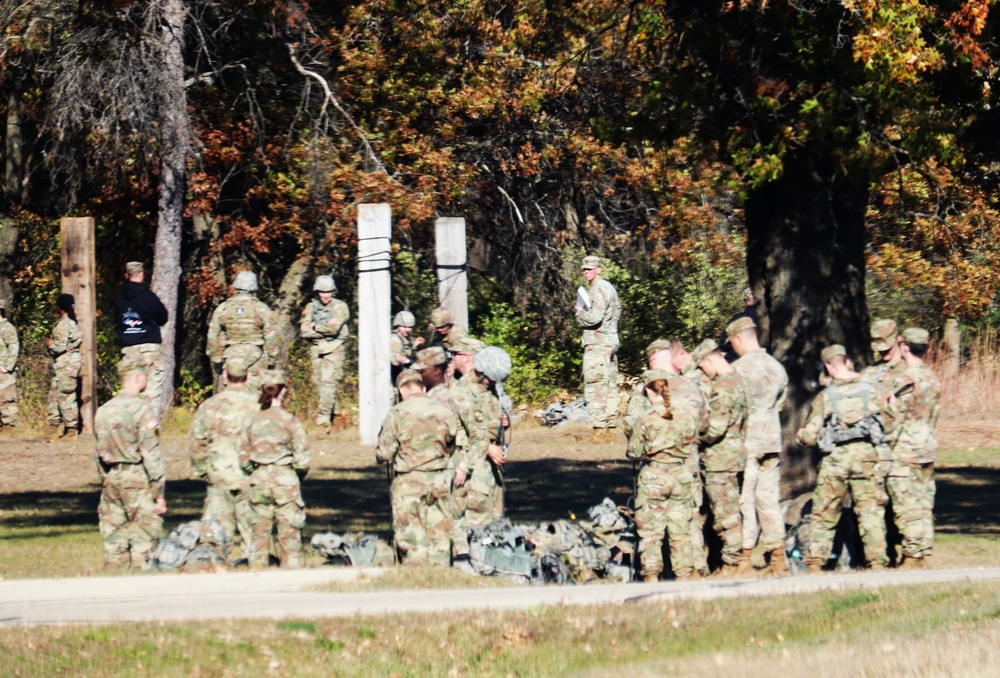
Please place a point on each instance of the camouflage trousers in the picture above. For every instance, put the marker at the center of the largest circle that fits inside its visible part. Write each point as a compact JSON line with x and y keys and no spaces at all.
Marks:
{"x":276,"y":501}
{"x":231,"y":508}
{"x":327,"y":372}
{"x":760,"y":503}
{"x":846,"y":469}
{"x":256,"y":362}
{"x":663,"y":505}
{"x":64,"y":407}
{"x":8,"y":399}
{"x":912,"y":488}
{"x":476,"y":503}
{"x":128,"y":524}
{"x":150,"y":356}
{"x":600,"y":385}
{"x":422,"y":521}
{"x":699,"y":552}
{"x":723,"y":491}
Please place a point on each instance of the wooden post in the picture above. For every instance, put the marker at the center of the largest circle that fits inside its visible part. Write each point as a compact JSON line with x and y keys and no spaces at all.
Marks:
{"x":374,"y":321}
{"x":952,"y":348}
{"x":453,"y":280}
{"x":78,"y":279}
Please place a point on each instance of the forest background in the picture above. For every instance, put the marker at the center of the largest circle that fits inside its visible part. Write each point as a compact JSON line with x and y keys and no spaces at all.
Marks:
{"x":842,"y":158}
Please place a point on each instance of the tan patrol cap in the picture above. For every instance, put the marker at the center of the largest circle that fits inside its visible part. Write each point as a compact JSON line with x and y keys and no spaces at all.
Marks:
{"x":272,"y":377}
{"x":831,"y":352}
{"x":406,"y":376}
{"x":430,"y":357}
{"x":649,"y":376}
{"x":590,"y":262}
{"x":916,"y":335}
{"x":133,"y":267}
{"x":704,"y":349}
{"x":883,"y":334}
{"x":466,"y":344}
{"x":739,"y":325}
{"x":657,"y":346}
{"x":236,"y":368}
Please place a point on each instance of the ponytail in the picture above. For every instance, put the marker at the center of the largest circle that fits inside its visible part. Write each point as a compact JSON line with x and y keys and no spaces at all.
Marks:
{"x":268,"y":393}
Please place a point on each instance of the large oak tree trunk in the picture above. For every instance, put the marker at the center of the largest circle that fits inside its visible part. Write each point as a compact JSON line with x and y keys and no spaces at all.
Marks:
{"x":805,"y":259}
{"x":13,"y":179}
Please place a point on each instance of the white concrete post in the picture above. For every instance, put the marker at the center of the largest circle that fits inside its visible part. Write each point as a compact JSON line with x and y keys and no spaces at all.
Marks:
{"x":453,"y":279}
{"x":374,"y":321}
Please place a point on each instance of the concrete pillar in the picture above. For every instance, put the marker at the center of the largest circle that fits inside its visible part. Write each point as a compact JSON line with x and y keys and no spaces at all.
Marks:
{"x":374,"y":318}
{"x":78,"y":277}
{"x":453,"y":280}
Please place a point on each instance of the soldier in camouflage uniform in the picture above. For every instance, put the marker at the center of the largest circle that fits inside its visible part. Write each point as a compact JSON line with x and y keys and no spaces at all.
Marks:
{"x":132,"y":473}
{"x":684,"y":364}
{"x":890,"y":365}
{"x":723,"y":453}
{"x":276,"y":457}
{"x":914,"y":451}
{"x":766,"y":382}
{"x":64,"y":346}
{"x":662,"y":440}
{"x":446,"y":332}
{"x":10,"y":349}
{"x":600,"y":351}
{"x":219,"y":431}
{"x":842,"y":422}
{"x":241,"y":327}
{"x":401,"y":344}
{"x":324,"y":325}
{"x":418,"y":439}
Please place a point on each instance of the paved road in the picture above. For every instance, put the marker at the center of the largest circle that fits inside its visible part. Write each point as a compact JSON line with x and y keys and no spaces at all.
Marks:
{"x":279,"y":594}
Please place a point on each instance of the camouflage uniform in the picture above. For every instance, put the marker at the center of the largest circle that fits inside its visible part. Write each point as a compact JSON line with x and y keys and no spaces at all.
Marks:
{"x":766,"y":382}
{"x":325,"y":327}
{"x":65,"y":348}
{"x":600,"y":353}
{"x":132,"y":471}
{"x":9,"y":351}
{"x":685,"y":394}
{"x":664,"y":497}
{"x":724,"y":458}
{"x":219,"y":431}
{"x":911,"y":479}
{"x":241,"y":328}
{"x":400,"y":352}
{"x":850,"y":466}
{"x":418,"y":439}
{"x":480,"y":486}
{"x":276,"y":456}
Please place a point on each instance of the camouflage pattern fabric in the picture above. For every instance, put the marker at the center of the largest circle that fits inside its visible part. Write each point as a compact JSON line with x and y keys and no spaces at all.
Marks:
{"x":664,"y":497}
{"x":600,"y":353}
{"x":219,"y":431}
{"x":465,"y":392}
{"x":133,"y":476}
{"x":418,"y":439}
{"x":686,"y":395}
{"x":850,"y":467}
{"x":325,"y":327}
{"x":64,"y":407}
{"x":10,"y":349}
{"x":276,"y":454}
{"x":150,"y":356}
{"x":242,"y":328}
{"x":766,"y":384}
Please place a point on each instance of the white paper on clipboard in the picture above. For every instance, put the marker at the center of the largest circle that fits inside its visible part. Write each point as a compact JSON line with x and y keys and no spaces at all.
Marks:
{"x":582,"y":298}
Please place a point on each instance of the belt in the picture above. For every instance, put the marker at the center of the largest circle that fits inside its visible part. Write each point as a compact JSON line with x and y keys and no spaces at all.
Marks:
{"x":657,"y":462}
{"x":421,"y":470}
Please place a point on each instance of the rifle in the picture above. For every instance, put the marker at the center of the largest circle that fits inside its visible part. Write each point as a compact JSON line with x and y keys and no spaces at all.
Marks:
{"x":498,"y":470}
{"x":903,"y":391}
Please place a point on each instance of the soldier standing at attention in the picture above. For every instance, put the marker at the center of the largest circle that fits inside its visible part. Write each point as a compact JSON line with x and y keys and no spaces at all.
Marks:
{"x":241,"y":328}
{"x":723,"y":452}
{"x":132,"y":473}
{"x":324,"y":325}
{"x":662,"y":440}
{"x":139,"y":315}
{"x":219,"y":431}
{"x":766,"y":382}
{"x":401,"y":345}
{"x":914,"y":451}
{"x":599,"y":319}
{"x":276,"y":457}
{"x":10,"y":349}
{"x":64,"y":346}
{"x":418,"y":439}
{"x":848,"y":408}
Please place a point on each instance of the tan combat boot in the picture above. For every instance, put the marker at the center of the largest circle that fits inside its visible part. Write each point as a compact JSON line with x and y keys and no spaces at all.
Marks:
{"x":746,"y":564}
{"x":650,"y":578}
{"x":813,"y":565}
{"x":778,"y":566}
{"x":53,"y":433}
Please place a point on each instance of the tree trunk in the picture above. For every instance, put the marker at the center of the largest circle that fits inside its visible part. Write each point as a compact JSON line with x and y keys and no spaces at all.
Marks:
{"x":174,"y":143}
{"x":805,"y":259}
{"x":13,"y":179}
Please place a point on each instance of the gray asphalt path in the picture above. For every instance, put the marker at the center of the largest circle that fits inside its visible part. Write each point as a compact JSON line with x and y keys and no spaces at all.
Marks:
{"x":278,"y":594}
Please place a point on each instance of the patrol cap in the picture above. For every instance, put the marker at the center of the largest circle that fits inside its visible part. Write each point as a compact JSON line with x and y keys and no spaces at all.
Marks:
{"x":404,"y":319}
{"x":649,"y":376}
{"x":916,"y":335}
{"x":831,"y":352}
{"x":441,"y":316}
{"x":494,"y":362}
{"x":129,"y":366}
{"x":236,"y":368}
{"x":324,"y":283}
{"x":883,"y":334}
{"x":739,"y":325}
{"x":703,"y":350}
{"x":406,"y":376}
{"x":272,"y":377}
{"x":133,"y":267}
{"x":246,"y":281}
{"x":657,"y":346}
{"x":590,"y":262}
{"x":466,"y":344}
{"x":430,"y":357}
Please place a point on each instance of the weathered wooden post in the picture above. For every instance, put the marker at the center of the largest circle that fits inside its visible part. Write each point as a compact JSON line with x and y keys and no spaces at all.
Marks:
{"x":453,"y":279}
{"x":374,"y":321}
{"x":952,"y":348}
{"x":78,"y":278}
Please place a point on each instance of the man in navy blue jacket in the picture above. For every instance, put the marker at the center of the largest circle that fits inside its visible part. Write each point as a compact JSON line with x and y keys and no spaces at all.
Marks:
{"x":139,"y":315}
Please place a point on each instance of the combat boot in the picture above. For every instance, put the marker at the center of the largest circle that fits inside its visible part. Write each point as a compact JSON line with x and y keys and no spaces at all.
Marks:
{"x":54,"y":433}
{"x":728,"y":570}
{"x":926,"y":560}
{"x":813,"y":565}
{"x":746,"y":564}
{"x":650,"y":578}
{"x":778,"y":566}
{"x":597,"y":436}
{"x":610,"y":435}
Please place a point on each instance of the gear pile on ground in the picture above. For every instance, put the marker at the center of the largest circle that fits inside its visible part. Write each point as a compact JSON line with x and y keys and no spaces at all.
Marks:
{"x":561,"y":552}
{"x":197,"y":546}
{"x":798,"y":529}
{"x":353,"y":550}
{"x":560,"y":414}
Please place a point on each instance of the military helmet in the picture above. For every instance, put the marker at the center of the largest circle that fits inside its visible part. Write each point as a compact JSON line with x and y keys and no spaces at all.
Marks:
{"x":324,"y":283}
{"x":404,"y":319}
{"x":441,"y":316}
{"x":246,"y":281}
{"x":494,"y":362}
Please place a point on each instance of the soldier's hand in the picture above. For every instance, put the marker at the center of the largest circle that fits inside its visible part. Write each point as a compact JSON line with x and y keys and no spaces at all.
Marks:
{"x":419,"y":341}
{"x":3,"y":370}
{"x":504,"y":420}
{"x":496,"y":455}
{"x":160,"y":507}
{"x":460,"y":477}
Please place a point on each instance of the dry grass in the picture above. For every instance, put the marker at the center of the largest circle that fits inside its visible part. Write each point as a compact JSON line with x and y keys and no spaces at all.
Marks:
{"x":973,"y":393}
